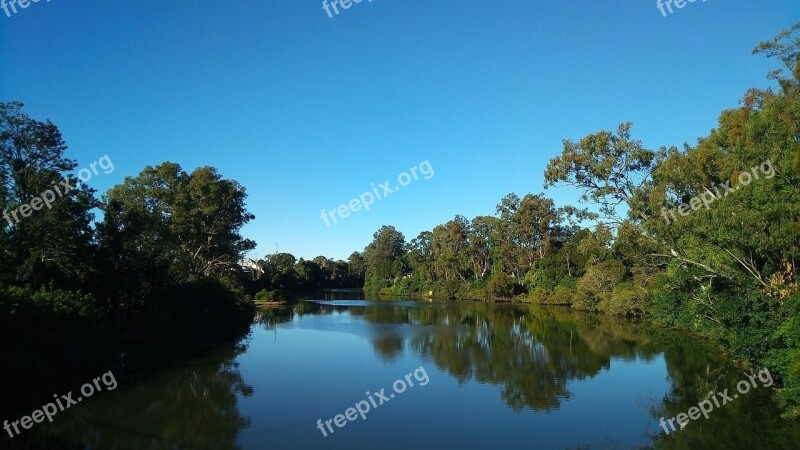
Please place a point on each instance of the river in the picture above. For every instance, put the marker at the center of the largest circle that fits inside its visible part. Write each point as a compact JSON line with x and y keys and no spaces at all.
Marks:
{"x":336,"y":371}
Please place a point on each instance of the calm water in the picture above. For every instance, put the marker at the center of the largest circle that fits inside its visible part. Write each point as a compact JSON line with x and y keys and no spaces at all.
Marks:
{"x":495,"y":376}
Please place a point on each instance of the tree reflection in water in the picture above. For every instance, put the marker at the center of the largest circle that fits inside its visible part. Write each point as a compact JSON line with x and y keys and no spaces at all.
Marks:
{"x":531,"y":353}
{"x":192,"y":406}
{"x":534,"y":352}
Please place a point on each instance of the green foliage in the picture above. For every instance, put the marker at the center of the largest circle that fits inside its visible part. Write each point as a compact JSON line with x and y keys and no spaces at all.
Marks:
{"x":23,"y":301}
{"x":607,"y":167}
{"x":547,"y":290}
{"x":568,"y":281}
{"x":53,"y":244}
{"x":669,"y":306}
{"x":473,"y":290}
{"x":265,"y":295}
{"x":731,"y":273}
{"x":162,"y":265}
{"x":187,"y":222}
{"x":784,"y":47}
{"x":279,"y":270}
{"x":601,"y":278}
{"x":50,"y":331}
{"x":626,"y":299}
{"x":563,"y":295}
{"x":404,"y":286}
{"x":282,"y":272}
{"x":537,"y":278}
{"x":500,"y":286}
{"x":560,"y":295}
{"x":726,"y":271}
{"x":785,"y":357}
{"x":384,"y":259}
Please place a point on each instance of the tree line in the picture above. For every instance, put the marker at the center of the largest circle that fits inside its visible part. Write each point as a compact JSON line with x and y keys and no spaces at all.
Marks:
{"x":152,"y":262}
{"x":726,"y":270}
{"x":155,"y":260}
{"x":279,"y":275}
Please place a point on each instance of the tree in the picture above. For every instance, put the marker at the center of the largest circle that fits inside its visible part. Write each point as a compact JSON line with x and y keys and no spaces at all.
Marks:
{"x":280,"y":270}
{"x":384,"y":258}
{"x":189,"y":221}
{"x":533,"y":226}
{"x":786,"y":48}
{"x":528,"y":226}
{"x":449,"y":244}
{"x":609,"y":168}
{"x":210,"y":211}
{"x":482,"y":242}
{"x":356,"y":268}
{"x":420,"y":256}
{"x":54,"y":242}
{"x":309,"y":273}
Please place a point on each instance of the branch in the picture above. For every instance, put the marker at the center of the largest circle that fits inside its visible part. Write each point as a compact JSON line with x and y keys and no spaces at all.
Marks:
{"x":689,"y":261}
{"x":750,"y":268}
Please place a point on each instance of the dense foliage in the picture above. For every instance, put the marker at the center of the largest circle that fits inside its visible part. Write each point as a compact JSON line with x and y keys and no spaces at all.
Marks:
{"x":279,"y":274}
{"x":705,"y":238}
{"x":161,"y":266}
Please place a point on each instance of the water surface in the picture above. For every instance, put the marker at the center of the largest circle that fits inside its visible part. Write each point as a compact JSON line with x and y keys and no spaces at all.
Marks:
{"x":498,"y":376}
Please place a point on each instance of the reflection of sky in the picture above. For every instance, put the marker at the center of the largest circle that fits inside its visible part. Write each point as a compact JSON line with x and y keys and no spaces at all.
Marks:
{"x":319,"y":365}
{"x":627,"y":391}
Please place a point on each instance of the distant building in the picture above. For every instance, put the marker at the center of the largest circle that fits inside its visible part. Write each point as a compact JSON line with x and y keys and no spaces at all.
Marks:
{"x":252,"y":268}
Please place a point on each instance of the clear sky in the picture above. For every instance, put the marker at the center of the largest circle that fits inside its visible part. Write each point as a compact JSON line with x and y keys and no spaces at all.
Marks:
{"x":307,"y":111}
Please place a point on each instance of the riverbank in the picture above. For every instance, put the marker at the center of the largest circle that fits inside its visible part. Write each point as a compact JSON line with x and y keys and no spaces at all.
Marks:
{"x":655,"y":304}
{"x":55,"y":339}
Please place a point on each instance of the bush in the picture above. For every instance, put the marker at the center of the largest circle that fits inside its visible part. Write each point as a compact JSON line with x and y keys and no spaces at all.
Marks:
{"x":626,"y":299}
{"x":755,"y":327}
{"x":500,"y":286}
{"x":568,"y":281}
{"x":601,"y":278}
{"x":16,"y":300}
{"x":563,"y":295}
{"x":375,"y":284}
{"x":49,"y":331}
{"x":671,"y":306}
{"x":207,"y":307}
{"x":473,"y":290}
{"x":539,"y":295}
{"x":537,"y":278}
{"x":448,"y":289}
{"x":584,"y":301}
{"x":785,"y":357}
{"x":406,"y":286}
{"x":266,"y":295}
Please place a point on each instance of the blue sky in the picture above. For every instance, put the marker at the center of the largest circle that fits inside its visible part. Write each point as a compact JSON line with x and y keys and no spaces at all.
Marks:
{"x":307,"y":111}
